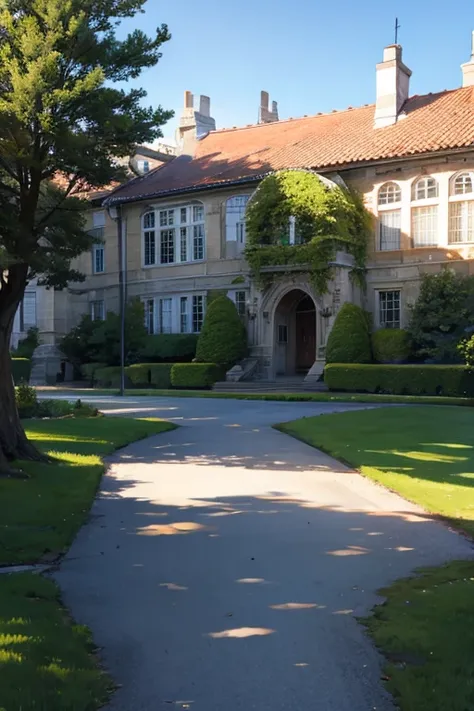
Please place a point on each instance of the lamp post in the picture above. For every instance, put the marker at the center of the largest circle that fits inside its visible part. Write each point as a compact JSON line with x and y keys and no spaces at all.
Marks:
{"x":115,"y":213}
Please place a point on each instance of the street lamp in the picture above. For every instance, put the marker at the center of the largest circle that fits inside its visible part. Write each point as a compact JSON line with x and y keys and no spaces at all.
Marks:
{"x":115,"y":213}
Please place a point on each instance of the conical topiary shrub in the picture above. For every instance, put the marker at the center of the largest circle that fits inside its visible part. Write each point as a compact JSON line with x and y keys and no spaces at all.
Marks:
{"x":349,"y":340}
{"x":223,"y":339}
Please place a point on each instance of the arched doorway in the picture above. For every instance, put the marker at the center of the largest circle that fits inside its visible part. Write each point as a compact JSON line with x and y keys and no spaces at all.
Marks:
{"x":295,"y":333}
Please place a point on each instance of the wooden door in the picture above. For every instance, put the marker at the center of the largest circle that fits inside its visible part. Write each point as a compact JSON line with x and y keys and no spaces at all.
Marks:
{"x":305,"y":340}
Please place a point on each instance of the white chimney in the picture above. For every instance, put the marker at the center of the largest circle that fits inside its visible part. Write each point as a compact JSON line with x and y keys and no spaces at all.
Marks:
{"x":468,"y":68}
{"x":393,"y":84}
{"x":194,"y":124}
{"x":264,"y":113}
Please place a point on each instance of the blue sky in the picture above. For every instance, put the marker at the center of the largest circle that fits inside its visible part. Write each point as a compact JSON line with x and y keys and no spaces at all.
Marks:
{"x":309,"y":55}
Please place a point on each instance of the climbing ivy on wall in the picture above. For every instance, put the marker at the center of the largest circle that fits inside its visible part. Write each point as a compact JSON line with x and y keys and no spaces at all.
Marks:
{"x":327,"y":219}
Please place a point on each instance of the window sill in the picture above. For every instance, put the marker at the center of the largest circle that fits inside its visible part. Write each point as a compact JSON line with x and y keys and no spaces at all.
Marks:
{"x":174,"y":264}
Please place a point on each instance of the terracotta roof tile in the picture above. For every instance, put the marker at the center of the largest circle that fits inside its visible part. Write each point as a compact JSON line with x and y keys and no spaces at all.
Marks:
{"x":429,"y":123}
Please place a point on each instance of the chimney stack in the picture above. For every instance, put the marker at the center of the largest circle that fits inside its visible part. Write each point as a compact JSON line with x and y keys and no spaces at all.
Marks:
{"x":264,"y":113}
{"x":468,"y":68}
{"x":392,"y":86}
{"x":194,"y":124}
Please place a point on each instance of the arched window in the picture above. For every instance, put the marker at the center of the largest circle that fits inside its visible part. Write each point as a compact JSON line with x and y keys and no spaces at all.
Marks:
{"x":461,"y":208}
{"x":389,"y":193}
{"x":462,"y":184}
{"x":424,"y":188}
{"x":174,"y":235}
{"x":424,"y":219}
{"x":390,"y":215}
{"x":235,"y":219}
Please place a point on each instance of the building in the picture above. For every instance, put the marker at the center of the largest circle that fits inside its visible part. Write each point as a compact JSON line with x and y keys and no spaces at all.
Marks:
{"x":182,"y":225}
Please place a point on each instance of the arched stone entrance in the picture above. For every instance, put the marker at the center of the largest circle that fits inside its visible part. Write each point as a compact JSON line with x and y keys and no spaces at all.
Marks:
{"x":294,"y":334}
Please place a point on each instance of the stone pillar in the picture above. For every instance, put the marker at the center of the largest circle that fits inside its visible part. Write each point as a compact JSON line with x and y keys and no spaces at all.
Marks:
{"x":46,"y":365}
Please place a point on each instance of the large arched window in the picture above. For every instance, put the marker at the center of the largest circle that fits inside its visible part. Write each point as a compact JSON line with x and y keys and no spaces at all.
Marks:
{"x":235,"y":219}
{"x":461,"y":208}
{"x":390,"y":215}
{"x":174,"y":235}
{"x":424,"y":216}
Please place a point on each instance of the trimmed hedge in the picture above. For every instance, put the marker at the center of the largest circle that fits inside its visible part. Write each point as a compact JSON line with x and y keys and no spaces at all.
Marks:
{"x":391,"y":345}
{"x":196,"y":375}
{"x":450,"y":380}
{"x":223,"y":338}
{"x":88,"y":371}
{"x":109,"y":377}
{"x":158,"y":375}
{"x":21,"y":370}
{"x":349,"y":340}
{"x":170,"y":348}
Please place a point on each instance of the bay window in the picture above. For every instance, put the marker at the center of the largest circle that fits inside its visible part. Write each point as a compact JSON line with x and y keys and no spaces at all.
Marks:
{"x":174,"y":235}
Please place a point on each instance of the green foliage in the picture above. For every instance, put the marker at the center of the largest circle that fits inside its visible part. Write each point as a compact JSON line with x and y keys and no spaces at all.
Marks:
{"x":327,"y":219}
{"x":466,"y":349}
{"x":88,"y":371}
{"x":441,"y":315}
{"x":223,"y":338}
{"x":196,"y":375}
{"x":21,"y":369}
{"x":238,"y":280}
{"x":105,"y":339}
{"x":76,"y":345}
{"x":391,"y":345}
{"x":109,"y":377}
{"x":143,"y":375}
{"x":26,"y":400}
{"x":349,"y":340}
{"x":450,"y":380}
{"x":28,"y":345}
{"x":214,"y":294}
{"x":169,"y":347}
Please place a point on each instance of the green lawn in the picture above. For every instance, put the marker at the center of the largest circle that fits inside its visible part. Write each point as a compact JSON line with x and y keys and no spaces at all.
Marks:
{"x":45,"y":659}
{"x":426,"y":627}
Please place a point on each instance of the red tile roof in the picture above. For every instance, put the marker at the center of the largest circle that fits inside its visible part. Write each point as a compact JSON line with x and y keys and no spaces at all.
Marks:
{"x":429,"y":123}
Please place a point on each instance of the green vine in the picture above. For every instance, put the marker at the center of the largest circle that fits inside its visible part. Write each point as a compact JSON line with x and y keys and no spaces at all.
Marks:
{"x":327,"y":219}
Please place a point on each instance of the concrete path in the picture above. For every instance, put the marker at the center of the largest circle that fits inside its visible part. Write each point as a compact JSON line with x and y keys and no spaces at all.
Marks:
{"x":225,"y":563}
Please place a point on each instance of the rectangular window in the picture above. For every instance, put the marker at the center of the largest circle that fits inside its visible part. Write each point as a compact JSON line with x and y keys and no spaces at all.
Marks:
{"x":389,"y":230}
{"x":241,"y":303}
{"x":198,"y":313}
{"x":167,"y":246}
{"x":198,"y":213}
{"x":149,"y":221}
{"x":183,"y":244}
{"x":166,"y":218}
{"x":98,"y":261}
{"x":282,"y":333}
{"x":166,"y":315}
{"x":184,"y":215}
{"x":183,"y":315}
{"x":97,"y":310}
{"x":198,"y":242}
{"x":240,"y":230}
{"x":150,"y":248}
{"x":424,"y":226}
{"x":389,"y":309}
{"x":150,"y":316}
{"x":28,"y":311}
{"x":461,"y":221}
{"x":98,"y":219}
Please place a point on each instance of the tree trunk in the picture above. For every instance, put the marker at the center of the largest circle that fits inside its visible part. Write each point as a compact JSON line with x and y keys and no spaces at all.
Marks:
{"x":13,"y":441}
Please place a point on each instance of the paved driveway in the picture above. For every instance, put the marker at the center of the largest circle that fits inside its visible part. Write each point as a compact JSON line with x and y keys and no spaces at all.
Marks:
{"x":225,"y":563}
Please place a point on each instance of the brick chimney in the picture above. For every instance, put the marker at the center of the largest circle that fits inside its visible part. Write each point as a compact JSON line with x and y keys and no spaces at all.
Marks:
{"x":194,"y":123}
{"x":392,"y":86}
{"x":264,"y":113}
{"x":468,"y":68}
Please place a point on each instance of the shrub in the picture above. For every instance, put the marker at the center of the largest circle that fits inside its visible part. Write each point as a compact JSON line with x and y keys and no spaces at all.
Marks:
{"x":223,"y":338}
{"x":391,"y":345}
{"x":142,"y":375}
{"x":169,"y":347}
{"x":453,"y":380}
{"x":349,"y":340}
{"x":28,"y":345}
{"x":466,"y":349}
{"x":441,"y":315}
{"x":195,"y":375}
{"x":26,"y":400}
{"x":88,"y":371}
{"x":109,"y":377}
{"x":105,"y":339}
{"x":76,"y":345}
{"x":21,"y":370}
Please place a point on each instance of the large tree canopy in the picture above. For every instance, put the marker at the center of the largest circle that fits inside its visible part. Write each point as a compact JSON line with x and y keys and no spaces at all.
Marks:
{"x":62,"y":126}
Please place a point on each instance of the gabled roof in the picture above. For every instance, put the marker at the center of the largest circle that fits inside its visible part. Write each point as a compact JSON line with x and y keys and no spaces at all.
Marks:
{"x":429,"y":123}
